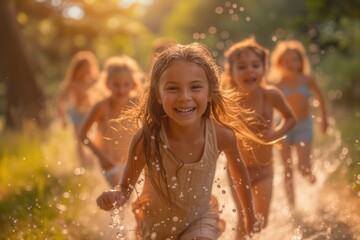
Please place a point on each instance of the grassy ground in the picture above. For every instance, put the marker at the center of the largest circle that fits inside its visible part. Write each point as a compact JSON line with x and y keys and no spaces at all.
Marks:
{"x":43,"y":194}
{"x":348,"y":122}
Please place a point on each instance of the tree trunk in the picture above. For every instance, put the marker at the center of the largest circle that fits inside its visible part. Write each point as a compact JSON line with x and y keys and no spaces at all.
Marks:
{"x":24,"y":99}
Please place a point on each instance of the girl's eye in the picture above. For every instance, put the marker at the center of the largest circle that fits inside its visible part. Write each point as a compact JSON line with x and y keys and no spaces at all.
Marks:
{"x":241,"y":67}
{"x":171,"y":88}
{"x":196,"y":87}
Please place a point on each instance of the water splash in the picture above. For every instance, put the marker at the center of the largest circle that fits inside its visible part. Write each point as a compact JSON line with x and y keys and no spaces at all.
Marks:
{"x":320,"y":212}
{"x":117,"y":223}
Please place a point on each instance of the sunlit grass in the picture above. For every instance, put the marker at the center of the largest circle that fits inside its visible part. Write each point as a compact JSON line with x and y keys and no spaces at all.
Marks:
{"x":37,"y":200}
{"x":347,"y":122}
{"x":350,"y":129}
{"x":42,"y":196}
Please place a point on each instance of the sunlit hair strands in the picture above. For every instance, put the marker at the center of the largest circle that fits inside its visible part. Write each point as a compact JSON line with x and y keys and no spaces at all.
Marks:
{"x":281,"y":47}
{"x":223,"y":106}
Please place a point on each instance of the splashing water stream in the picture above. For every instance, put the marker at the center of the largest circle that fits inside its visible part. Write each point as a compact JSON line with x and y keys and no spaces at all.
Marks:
{"x":320,"y":210}
{"x":320,"y":213}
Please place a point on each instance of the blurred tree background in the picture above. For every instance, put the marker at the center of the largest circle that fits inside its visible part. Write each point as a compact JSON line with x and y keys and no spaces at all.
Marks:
{"x":51,"y":31}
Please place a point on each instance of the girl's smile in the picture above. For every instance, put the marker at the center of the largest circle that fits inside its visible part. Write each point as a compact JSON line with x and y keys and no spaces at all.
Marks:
{"x":183,"y":92}
{"x":247,"y":71}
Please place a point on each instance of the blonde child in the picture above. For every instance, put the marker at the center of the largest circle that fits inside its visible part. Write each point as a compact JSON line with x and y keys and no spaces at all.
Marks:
{"x":245,"y":69}
{"x":79,"y":90}
{"x":123,"y":79}
{"x":291,"y":68}
{"x":186,"y":121}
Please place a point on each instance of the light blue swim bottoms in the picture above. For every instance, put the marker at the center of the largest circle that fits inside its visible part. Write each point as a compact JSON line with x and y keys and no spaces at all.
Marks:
{"x":302,"y":132}
{"x":77,"y":117}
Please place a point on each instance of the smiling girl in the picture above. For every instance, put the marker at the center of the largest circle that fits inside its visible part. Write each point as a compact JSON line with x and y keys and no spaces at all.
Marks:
{"x":186,"y":121}
{"x":245,"y":69}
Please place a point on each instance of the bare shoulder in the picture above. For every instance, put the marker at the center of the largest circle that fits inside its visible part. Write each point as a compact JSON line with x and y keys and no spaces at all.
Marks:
{"x":309,"y":79}
{"x":137,"y":141}
{"x":224,"y":135}
{"x":101,"y":106}
{"x":272,"y":93}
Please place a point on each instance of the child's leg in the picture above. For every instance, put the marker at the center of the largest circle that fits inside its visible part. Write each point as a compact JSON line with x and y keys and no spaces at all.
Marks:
{"x":285,"y":152}
{"x":303,"y":151}
{"x":240,"y":228}
{"x":262,"y":193}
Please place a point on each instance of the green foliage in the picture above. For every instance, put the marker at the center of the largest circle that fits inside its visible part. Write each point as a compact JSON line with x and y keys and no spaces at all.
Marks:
{"x":52,"y":35}
{"x":350,"y":127}
{"x":35,"y":202}
{"x":341,"y":64}
{"x":223,"y":22}
{"x":330,"y":10}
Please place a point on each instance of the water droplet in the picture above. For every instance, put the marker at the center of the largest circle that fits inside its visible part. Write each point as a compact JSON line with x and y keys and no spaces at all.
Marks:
{"x":297,"y":234}
{"x":153,"y":235}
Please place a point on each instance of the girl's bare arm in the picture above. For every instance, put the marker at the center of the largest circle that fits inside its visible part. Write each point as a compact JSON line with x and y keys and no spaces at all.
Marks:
{"x":121,"y":193}
{"x":288,"y":120}
{"x":61,"y":104}
{"x":240,"y":179}
{"x":135,"y":164}
{"x":317,"y":93}
{"x":96,"y":114}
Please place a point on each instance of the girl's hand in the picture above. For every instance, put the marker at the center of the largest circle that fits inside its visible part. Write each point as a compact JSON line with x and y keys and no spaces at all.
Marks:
{"x":266,"y":135}
{"x":64,"y":122}
{"x":111,"y":199}
{"x":324,"y":125}
{"x":269,"y":136}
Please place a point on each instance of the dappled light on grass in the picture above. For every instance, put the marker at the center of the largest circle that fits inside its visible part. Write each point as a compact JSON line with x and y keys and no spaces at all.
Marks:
{"x":44,"y":194}
{"x":320,"y":211}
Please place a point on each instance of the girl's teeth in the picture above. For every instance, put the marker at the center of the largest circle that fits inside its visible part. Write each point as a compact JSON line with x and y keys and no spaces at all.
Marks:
{"x":184,"y":110}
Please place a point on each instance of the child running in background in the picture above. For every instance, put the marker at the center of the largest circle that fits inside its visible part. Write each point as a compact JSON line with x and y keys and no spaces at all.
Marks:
{"x":291,"y":68}
{"x":79,"y":92}
{"x":245,"y":68}
{"x":186,"y":121}
{"x":123,"y":79}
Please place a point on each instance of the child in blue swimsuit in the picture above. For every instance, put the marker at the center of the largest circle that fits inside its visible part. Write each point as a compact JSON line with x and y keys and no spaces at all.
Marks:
{"x":79,"y":91}
{"x":291,"y":66}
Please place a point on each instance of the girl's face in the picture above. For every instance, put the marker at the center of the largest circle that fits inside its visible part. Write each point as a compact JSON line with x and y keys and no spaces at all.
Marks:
{"x":83,"y":72}
{"x":120,"y":84}
{"x":290,"y":61}
{"x":184,"y":92}
{"x":247,"y":71}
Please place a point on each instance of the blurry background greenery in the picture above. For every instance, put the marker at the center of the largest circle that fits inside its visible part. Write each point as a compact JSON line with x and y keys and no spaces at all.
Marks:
{"x":51,"y":31}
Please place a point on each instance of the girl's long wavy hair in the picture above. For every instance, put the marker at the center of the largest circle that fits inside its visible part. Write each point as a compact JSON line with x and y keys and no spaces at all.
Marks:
{"x":77,"y":61}
{"x":148,"y":115}
{"x":280,"y":49}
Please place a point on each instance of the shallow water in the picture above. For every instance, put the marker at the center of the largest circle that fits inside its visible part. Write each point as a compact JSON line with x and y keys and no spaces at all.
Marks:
{"x":322,"y":211}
